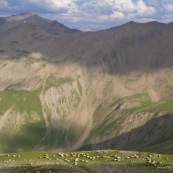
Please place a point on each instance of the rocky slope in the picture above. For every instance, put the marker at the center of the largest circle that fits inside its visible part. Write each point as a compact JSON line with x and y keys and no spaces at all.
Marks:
{"x":62,"y":89}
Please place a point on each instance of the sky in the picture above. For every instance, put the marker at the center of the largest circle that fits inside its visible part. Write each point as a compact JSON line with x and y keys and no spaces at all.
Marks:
{"x":92,"y":14}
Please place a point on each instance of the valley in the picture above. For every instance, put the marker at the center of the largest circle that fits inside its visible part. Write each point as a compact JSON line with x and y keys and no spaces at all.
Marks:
{"x":66,"y":90}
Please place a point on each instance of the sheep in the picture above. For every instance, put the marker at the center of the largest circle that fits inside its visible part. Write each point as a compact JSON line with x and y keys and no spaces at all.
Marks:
{"x":136,"y":156}
{"x":76,"y":159}
{"x":67,"y":160}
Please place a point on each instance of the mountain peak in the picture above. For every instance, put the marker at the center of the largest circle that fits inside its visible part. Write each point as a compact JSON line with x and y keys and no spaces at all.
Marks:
{"x":25,"y":14}
{"x":131,"y":22}
{"x":21,"y":16}
{"x":33,"y":19}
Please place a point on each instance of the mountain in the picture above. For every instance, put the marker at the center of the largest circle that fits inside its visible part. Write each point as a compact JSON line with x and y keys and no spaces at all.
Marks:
{"x":64,"y":89}
{"x":31,"y":19}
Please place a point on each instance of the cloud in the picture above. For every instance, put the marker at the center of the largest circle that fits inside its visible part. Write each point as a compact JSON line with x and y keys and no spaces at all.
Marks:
{"x":93,"y":14}
{"x":168,"y":7}
{"x":38,"y":6}
{"x":3,"y":3}
{"x":117,"y":15}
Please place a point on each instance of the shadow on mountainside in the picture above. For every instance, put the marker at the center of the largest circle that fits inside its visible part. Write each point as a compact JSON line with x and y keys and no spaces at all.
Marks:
{"x":154,"y":136}
{"x":127,"y":48}
{"x":35,"y":136}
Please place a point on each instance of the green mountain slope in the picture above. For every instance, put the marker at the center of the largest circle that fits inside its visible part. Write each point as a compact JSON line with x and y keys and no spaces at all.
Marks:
{"x":56,"y":107}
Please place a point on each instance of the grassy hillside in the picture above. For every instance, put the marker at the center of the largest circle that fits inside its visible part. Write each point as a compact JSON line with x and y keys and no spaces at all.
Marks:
{"x":135,"y":123}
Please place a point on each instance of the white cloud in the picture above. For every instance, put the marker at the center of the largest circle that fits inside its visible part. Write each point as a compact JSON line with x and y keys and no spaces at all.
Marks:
{"x":142,"y":10}
{"x":124,"y":6}
{"x":141,"y":7}
{"x":168,"y":7}
{"x":109,"y":9}
{"x":117,"y":15}
{"x":61,"y":4}
{"x":3,"y":3}
{"x":69,"y":5}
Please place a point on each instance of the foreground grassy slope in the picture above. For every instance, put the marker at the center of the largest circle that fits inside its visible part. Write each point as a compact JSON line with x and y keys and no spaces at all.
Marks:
{"x":95,"y":161}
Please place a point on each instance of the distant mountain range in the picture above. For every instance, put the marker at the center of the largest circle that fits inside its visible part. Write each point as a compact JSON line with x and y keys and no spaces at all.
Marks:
{"x":64,"y":89}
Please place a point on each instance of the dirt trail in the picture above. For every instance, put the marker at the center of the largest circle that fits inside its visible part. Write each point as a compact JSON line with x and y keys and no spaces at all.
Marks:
{"x":153,"y":95}
{"x":5,"y":118}
{"x":82,"y":139}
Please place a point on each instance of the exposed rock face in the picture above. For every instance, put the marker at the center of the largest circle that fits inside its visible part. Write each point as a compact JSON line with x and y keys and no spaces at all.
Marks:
{"x":67,"y":90}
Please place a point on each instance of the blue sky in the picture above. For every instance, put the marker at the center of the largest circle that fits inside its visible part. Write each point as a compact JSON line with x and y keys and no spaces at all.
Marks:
{"x":92,"y":14}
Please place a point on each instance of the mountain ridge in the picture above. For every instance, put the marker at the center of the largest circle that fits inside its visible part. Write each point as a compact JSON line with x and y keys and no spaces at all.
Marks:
{"x":28,"y":16}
